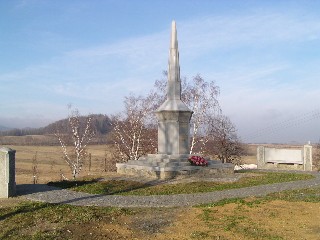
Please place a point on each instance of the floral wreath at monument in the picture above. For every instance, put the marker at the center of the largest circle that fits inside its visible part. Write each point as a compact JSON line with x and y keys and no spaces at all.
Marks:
{"x":198,"y":161}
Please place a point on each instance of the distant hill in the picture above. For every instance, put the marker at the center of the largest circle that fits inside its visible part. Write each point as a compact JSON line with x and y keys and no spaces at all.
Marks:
{"x":3,"y":128}
{"x":101,"y":123}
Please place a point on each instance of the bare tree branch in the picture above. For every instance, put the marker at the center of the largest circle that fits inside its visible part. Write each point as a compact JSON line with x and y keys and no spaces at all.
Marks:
{"x":134,"y":129}
{"x":224,"y":141}
{"x":75,"y":141}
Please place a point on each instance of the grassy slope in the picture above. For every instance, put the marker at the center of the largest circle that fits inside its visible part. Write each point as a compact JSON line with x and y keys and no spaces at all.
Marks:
{"x":235,"y":217}
{"x":136,"y":188}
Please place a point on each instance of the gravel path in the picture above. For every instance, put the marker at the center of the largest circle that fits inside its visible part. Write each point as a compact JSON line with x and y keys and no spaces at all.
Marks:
{"x":44,"y":193}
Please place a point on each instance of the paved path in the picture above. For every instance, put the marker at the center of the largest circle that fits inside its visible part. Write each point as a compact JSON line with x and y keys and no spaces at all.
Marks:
{"x":44,"y":193}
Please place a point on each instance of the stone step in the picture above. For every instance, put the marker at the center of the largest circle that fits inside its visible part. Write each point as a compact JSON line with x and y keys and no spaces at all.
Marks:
{"x":175,"y":168}
{"x":174,"y":164}
{"x":157,"y":164}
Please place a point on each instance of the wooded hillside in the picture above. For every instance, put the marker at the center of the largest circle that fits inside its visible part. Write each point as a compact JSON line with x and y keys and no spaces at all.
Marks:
{"x":101,"y":123}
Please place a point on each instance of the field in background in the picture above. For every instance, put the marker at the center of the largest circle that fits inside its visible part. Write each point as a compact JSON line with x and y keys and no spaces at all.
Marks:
{"x":50,"y":164}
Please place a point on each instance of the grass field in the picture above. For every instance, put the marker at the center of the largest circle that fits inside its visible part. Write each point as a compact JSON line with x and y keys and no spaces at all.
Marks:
{"x":286,"y":215}
{"x":125,"y":187}
{"x":50,"y":163}
{"x":289,"y":215}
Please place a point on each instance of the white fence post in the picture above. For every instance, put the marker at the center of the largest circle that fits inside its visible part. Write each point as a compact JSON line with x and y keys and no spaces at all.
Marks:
{"x":260,"y":157}
{"x":7,"y":173}
{"x":307,"y":157}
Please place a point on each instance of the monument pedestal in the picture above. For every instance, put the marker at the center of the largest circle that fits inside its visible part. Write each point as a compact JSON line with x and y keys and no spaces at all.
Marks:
{"x":163,"y":166}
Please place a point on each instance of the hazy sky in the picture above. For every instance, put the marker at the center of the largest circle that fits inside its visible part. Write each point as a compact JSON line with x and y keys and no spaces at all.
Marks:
{"x":264,"y":56}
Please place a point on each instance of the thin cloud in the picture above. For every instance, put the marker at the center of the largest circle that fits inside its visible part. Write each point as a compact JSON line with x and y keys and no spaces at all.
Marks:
{"x":240,"y":52}
{"x":260,"y":28}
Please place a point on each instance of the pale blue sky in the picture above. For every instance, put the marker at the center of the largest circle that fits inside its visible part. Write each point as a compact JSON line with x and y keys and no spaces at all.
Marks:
{"x":264,"y":56}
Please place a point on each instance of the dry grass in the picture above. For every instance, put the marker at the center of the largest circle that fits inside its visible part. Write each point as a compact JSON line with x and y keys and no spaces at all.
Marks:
{"x":50,"y":163}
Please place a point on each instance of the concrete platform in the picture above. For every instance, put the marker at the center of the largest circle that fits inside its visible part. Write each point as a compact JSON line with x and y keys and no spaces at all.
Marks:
{"x":162,"y":166}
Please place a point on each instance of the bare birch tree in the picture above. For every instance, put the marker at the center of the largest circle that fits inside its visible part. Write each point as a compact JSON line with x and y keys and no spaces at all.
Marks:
{"x":74,"y":142}
{"x":224,"y":142}
{"x":202,"y":98}
{"x":133,"y":130}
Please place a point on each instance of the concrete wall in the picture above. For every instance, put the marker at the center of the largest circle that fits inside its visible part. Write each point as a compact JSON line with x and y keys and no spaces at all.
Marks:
{"x":289,"y":159}
{"x":7,"y":173}
{"x":276,"y":155}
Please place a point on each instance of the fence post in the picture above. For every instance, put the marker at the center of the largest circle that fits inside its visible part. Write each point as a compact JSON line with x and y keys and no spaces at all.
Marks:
{"x":307,"y":157}
{"x":260,"y":157}
{"x":7,"y":172}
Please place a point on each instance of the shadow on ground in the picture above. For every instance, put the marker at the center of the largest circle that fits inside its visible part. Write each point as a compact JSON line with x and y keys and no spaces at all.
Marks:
{"x":25,"y":189}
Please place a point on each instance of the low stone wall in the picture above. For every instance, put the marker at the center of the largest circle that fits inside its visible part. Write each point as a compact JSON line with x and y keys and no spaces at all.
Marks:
{"x":287,"y":159}
{"x":212,"y":171}
{"x":162,"y":166}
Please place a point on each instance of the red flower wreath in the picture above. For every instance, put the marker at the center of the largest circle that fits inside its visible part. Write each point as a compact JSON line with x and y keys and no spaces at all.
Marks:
{"x":198,"y":161}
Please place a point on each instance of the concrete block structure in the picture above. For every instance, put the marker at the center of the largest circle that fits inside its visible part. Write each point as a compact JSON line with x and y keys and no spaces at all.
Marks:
{"x":286,"y":159}
{"x":7,"y":173}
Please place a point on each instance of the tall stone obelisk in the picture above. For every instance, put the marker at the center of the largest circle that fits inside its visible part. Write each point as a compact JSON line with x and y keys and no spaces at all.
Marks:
{"x":173,"y":135}
{"x":173,"y":115}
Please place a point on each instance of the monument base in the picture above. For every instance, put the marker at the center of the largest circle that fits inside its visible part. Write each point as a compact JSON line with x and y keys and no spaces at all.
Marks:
{"x":162,"y":166}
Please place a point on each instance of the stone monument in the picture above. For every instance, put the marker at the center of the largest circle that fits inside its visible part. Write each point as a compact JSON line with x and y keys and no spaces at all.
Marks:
{"x":173,"y":134}
{"x":7,"y":173}
{"x":173,"y":115}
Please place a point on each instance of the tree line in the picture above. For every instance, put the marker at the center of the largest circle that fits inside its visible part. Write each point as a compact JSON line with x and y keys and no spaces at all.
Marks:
{"x":101,"y":124}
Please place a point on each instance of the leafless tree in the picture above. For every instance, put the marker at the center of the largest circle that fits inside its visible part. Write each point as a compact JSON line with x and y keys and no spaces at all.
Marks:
{"x":74,"y":142}
{"x":202,"y":98}
{"x":133,"y":129}
{"x":224,"y":142}
{"x":35,"y":171}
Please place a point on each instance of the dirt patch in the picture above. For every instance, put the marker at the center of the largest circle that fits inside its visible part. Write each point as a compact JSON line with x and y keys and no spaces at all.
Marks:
{"x":141,"y":224}
{"x":154,"y":221}
{"x":270,"y":220}
{"x":10,"y":202}
{"x":97,"y":231}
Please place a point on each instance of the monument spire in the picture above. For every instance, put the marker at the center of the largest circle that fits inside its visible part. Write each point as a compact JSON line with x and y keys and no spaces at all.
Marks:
{"x":173,"y":115}
{"x":174,"y":83}
{"x":174,"y":40}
